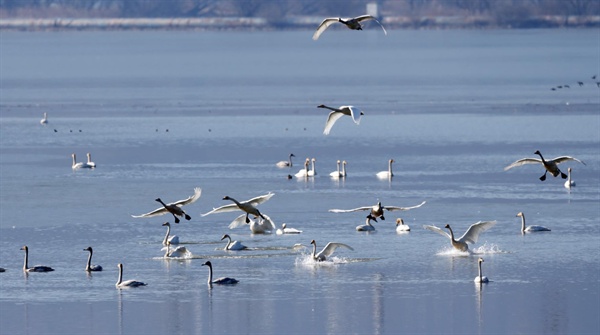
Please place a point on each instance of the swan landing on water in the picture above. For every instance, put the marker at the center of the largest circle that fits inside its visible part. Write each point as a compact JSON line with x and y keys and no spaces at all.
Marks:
{"x":174,"y":208}
{"x":470,"y":236}
{"x":550,"y":165}
{"x":327,"y":251}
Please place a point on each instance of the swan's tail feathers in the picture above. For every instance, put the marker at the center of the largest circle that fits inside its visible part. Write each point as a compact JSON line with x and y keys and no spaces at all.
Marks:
{"x":187,"y":217}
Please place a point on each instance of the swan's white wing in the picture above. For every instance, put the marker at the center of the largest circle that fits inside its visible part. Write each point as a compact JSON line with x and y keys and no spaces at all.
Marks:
{"x":366,"y":208}
{"x":238,"y":222}
{"x":369,"y":17}
{"x":355,"y":113}
{"x":324,"y":25}
{"x":268,"y":222}
{"x":437,"y":230}
{"x":394,"y":208}
{"x":223,"y":209}
{"x":472,"y":234}
{"x":331,"y":119}
{"x":258,"y":200}
{"x":562,"y":159}
{"x":191,"y":199}
{"x":524,"y":161}
{"x":156,"y":212}
{"x":331,"y":246}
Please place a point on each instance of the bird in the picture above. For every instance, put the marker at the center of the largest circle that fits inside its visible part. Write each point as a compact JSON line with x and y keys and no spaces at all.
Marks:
{"x":44,"y":120}
{"x":327,"y":251}
{"x":37,"y":268}
{"x":313,"y":171}
{"x":530,"y":229}
{"x":169,"y":239}
{"x":337,"y":113}
{"x":284,"y":164}
{"x":580,"y":83}
{"x":248,"y":206}
{"x":235,"y":245}
{"x":177,"y":252}
{"x":386,"y":174}
{"x":570,"y":182}
{"x":76,"y":166}
{"x":367,"y":226}
{"x":174,"y":208}
{"x":89,"y":163}
{"x":470,"y":236}
{"x":218,"y":281}
{"x":400,"y":226}
{"x":89,"y":267}
{"x":285,"y":230}
{"x":128,"y":283}
{"x":303,"y":173}
{"x":344,"y":169}
{"x":257,"y":226}
{"x":550,"y":165}
{"x":480,"y":278}
{"x":337,"y":174}
{"x":351,"y":23}
{"x":377,"y":211}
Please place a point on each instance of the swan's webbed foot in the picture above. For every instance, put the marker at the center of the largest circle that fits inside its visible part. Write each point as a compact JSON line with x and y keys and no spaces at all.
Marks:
{"x":176,"y":219}
{"x":247,"y":219}
{"x":187,"y":217}
{"x":382,"y":217}
{"x":542,"y":178}
{"x":563,"y":175}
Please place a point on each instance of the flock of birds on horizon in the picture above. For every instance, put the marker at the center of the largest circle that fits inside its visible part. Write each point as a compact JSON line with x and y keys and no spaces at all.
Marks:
{"x":262,"y":223}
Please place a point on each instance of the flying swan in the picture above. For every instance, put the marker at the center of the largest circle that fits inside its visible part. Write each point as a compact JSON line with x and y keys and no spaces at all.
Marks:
{"x":89,"y":267}
{"x":218,"y":281}
{"x":248,"y":206}
{"x":327,"y":251}
{"x":37,"y":268}
{"x":337,"y":113}
{"x":377,"y":210}
{"x":530,"y":229}
{"x":128,"y":283}
{"x":351,"y":23}
{"x":470,"y":236}
{"x":174,"y":208}
{"x":550,"y":165}
{"x":480,"y":278}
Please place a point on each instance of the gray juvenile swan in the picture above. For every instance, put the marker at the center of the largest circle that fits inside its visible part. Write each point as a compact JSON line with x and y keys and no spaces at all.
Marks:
{"x":351,"y":23}
{"x":218,"y":281}
{"x":128,"y":283}
{"x":169,"y":239}
{"x":248,"y":206}
{"x":470,"y":236}
{"x":284,"y":164}
{"x":529,"y":229}
{"x":337,"y":113}
{"x":550,"y":165}
{"x":174,"y":208}
{"x":88,"y":266}
{"x":377,"y":210}
{"x":327,"y":251}
{"x":233,"y":245}
{"x":480,"y":278}
{"x":37,"y":268}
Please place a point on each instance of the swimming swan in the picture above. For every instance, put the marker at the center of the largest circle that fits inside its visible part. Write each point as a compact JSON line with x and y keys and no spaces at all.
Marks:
{"x":37,"y":268}
{"x":128,"y":283}
{"x":247,"y":206}
{"x":172,"y":239}
{"x":377,"y":210}
{"x":174,"y":208}
{"x":257,"y":225}
{"x":530,"y":229}
{"x":351,"y":23}
{"x":550,"y":165}
{"x":337,"y":174}
{"x":367,"y":226}
{"x":44,"y":120}
{"x":470,"y":236}
{"x":284,"y":164}
{"x":400,"y":226}
{"x":386,"y":174}
{"x":480,"y":278}
{"x":235,"y":245}
{"x":337,"y":113}
{"x":327,"y":251}
{"x":218,"y":281}
{"x":303,"y":173}
{"x":178,"y":252}
{"x":76,"y":166}
{"x":89,"y":267}
{"x":89,"y":163}
{"x":570,"y":182}
{"x":286,"y":230}
{"x":313,"y":171}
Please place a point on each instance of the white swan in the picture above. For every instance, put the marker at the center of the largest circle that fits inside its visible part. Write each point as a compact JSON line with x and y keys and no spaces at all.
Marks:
{"x":178,"y":252}
{"x":248,"y":206}
{"x":89,"y":267}
{"x":530,"y":229}
{"x":337,"y":174}
{"x":235,"y":245}
{"x":172,"y":239}
{"x":400,"y":226}
{"x":37,"y":268}
{"x":313,"y":171}
{"x":128,"y":283}
{"x":470,"y":236}
{"x":44,"y":120}
{"x":174,"y":208}
{"x":570,"y":182}
{"x":286,"y":230}
{"x":337,"y":113}
{"x":80,"y":165}
{"x":89,"y":163}
{"x":344,"y":169}
{"x":284,"y":164}
{"x":377,"y":210}
{"x":218,"y":281}
{"x":367,"y":226}
{"x":303,"y":173}
{"x":351,"y":23}
{"x":480,"y":278}
{"x":386,"y":174}
{"x":327,"y":251}
{"x":257,"y":225}
{"x":550,"y":165}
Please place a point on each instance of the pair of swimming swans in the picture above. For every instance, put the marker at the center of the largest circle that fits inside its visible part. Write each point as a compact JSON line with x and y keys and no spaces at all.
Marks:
{"x":81,"y":165}
{"x":339,"y":173}
{"x":174,"y":208}
{"x":305,"y":172}
{"x":377,"y":211}
{"x":351,"y":23}
{"x":549,"y":165}
{"x":128,"y":283}
{"x":469,"y":237}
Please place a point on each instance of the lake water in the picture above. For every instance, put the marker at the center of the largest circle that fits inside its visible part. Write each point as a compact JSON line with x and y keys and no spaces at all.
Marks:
{"x":164,"y":112}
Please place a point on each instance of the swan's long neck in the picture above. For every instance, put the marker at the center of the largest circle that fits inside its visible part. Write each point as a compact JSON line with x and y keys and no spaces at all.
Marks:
{"x":73,"y":156}
{"x":25,"y":267}
{"x":235,"y":201}
{"x":523,"y":223}
{"x":542,"y":158}
{"x":314,"y":252}
{"x":290,"y":160}
{"x":120,"y":275}
{"x":161,"y":202}
{"x":89,"y":262}
{"x":228,"y":243}
{"x":89,"y":158}
{"x":338,"y":168}
{"x":569,"y":176}
{"x":368,"y":221}
{"x":210,"y":275}
{"x":451,"y":234}
{"x":344,"y":169}
{"x":390,"y":168}
{"x":313,"y":166}
{"x":167,"y":235}
{"x":480,"y":274}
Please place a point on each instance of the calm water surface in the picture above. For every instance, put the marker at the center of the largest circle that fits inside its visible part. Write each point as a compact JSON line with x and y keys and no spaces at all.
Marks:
{"x":164,"y":112}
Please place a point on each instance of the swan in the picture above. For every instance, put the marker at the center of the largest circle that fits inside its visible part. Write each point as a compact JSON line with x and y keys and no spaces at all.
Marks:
{"x":351,"y":23}
{"x":337,"y":113}
{"x":386,"y":174}
{"x":338,"y":173}
{"x":89,"y":267}
{"x":284,"y":164}
{"x":377,"y":210}
{"x":480,"y":278}
{"x":174,"y":208}
{"x":344,"y":169}
{"x":470,"y":236}
{"x":247,"y":206}
{"x":313,"y":171}
{"x":550,"y":165}
{"x":44,"y":120}
{"x":367,"y":226}
{"x":327,"y":251}
{"x":235,"y":245}
{"x":219,"y":281}
{"x":169,"y":239}
{"x":178,"y":252}
{"x":258,"y":226}
{"x":37,"y":268}
{"x":285,"y":230}
{"x":530,"y":229}
{"x":570,"y":182}
{"x":79,"y":165}
{"x":89,"y":163}
{"x":400,"y":226}
{"x":128,"y":283}
{"x":303,"y":173}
